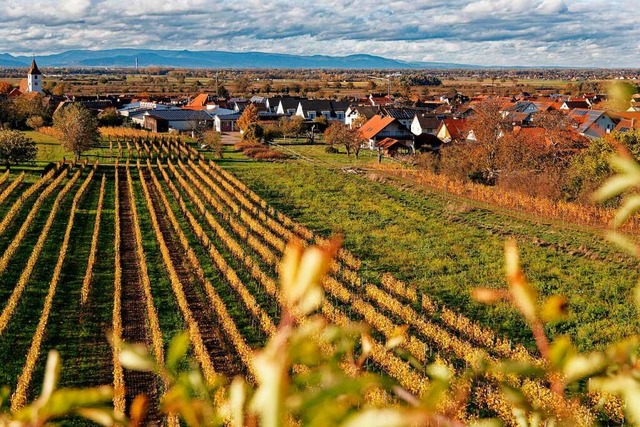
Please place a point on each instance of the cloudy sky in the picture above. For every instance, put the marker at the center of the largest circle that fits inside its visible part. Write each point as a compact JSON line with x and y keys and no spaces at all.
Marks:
{"x":602,"y":33}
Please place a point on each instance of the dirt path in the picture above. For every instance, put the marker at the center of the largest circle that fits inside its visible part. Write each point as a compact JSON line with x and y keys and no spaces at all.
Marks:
{"x":134,"y":320}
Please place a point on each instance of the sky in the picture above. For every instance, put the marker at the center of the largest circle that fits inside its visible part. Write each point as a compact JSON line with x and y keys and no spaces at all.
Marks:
{"x":586,"y":33}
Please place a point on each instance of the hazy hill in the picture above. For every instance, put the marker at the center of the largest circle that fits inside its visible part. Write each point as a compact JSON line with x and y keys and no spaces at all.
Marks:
{"x":212,"y":59}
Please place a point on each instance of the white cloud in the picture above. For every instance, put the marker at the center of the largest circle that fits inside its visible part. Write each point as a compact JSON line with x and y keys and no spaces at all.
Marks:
{"x":487,"y":32}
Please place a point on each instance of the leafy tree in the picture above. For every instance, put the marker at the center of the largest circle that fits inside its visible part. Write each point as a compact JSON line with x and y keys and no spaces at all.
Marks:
{"x":591,"y":167}
{"x":213,"y":139}
{"x":242,"y":84}
{"x":35,"y":122}
{"x":222,"y":92}
{"x":5,"y":88}
{"x":31,"y":104}
{"x":16,"y":147}
{"x":357,"y":123}
{"x":254,"y":132}
{"x":338,"y":134}
{"x":78,"y":127}
{"x":109,"y":117}
{"x":291,"y":126}
{"x":271,"y":132}
{"x":488,"y":126}
{"x":249,"y":116}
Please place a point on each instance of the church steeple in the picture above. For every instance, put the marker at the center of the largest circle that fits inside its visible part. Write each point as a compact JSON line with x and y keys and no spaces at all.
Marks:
{"x":34,"y":78}
{"x":34,"y":68}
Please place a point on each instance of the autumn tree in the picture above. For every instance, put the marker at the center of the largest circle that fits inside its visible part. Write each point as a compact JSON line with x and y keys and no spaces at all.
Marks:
{"x":291,"y":126}
{"x":242,"y":84}
{"x":213,"y":140}
{"x":488,"y":125}
{"x":31,"y":104}
{"x":78,"y":128}
{"x":249,"y":116}
{"x":5,"y":88}
{"x":16,"y":147}
{"x":109,"y":117}
{"x":358,"y":122}
{"x":35,"y":122}
{"x":338,"y":134}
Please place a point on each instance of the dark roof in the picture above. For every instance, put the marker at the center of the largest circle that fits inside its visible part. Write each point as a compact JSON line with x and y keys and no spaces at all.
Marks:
{"x":235,"y":116}
{"x":34,"y":68}
{"x":97,"y":105}
{"x":428,"y":121}
{"x":181,"y":115}
{"x":324,"y":105}
{"x":366,"y":111}
{"x":401,"y":113}
{"x":576,"y":104}
{"x":288,"y":103}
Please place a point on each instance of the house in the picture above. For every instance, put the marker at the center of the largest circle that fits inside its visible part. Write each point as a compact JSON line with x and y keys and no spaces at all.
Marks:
{"x":391,"y":147}
{"x":179,"y":120}
{"x":628,"y":121}
{"x":287,"y":106}
{"x":273,"y":103}
{"x":573,"y":104}
{"x":198,"y":103}
{"x":426,"y":142}
{"x":592,"y":123}
{"x":626,"y":125}
{"x":381,"y":127}
{"x":380,"y":100}
{"x":424,"y":124}
{"x":309,"y":109}
{"x":544,"y":105}
{"x":226,"y":122}
{"x":522,"y":107}
{"x":454,"y":130}
{"x":519,"y":119}
{"x":403,"y":115}
{"x":355,"y":113}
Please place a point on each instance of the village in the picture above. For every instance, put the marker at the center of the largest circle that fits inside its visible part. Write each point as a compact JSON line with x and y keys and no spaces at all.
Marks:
{"x":386,"y":122}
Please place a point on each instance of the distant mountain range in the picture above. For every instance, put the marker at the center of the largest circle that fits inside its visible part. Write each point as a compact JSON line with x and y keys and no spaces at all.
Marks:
{"x":118,"y":58}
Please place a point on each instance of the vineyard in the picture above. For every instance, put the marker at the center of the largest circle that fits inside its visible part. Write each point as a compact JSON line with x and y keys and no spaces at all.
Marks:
{"x":155,"y":239}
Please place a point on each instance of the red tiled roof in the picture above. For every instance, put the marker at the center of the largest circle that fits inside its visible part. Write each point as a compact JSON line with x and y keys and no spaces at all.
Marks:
{"x":374,"y":126}
{"x":458,"y":128}
{"x":198,"y":103}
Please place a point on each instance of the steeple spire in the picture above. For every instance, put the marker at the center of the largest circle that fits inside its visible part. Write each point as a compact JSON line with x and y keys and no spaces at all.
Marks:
{"x":34,"y":68}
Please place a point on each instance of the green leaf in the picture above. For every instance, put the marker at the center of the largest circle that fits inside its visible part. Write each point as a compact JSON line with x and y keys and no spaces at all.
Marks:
{"x":581,"y":366}
{"x":615,"y":186}
{"x":560,"y":351}
{"x":625,"y":164}
{"x":177,"y":350}
{"x":384,"y":418}
{"x":137,"y":358}
{"x":624,"y":243}
{"x":630,"y":206}
{"x":104,"y":417}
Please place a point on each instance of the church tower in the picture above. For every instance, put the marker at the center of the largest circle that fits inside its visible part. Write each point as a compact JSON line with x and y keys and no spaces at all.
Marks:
{"x":34,"y":78}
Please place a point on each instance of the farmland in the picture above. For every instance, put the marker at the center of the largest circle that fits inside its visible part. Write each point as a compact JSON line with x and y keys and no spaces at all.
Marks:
{"x":156,"y":238}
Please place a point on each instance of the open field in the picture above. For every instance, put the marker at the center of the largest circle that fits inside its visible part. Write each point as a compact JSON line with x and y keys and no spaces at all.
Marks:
{"x":168,"y":240}
{"x":447,"y":245}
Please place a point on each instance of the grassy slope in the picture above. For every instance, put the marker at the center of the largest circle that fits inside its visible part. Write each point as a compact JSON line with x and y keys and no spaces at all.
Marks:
{"x":448,"y":247}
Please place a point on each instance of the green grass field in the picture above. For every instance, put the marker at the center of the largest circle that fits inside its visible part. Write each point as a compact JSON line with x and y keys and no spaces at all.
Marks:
{"x":447,"y":246}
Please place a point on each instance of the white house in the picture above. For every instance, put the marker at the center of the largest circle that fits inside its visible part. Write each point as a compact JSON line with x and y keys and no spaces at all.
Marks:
{"x":424,"y":124}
